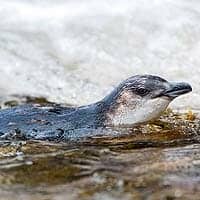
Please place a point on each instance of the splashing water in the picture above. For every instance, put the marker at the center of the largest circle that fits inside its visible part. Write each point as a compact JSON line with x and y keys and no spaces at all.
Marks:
{"x":76,"y":51}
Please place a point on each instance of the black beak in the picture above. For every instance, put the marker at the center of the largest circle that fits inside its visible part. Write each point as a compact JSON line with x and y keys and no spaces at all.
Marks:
{"x":177,"y":89}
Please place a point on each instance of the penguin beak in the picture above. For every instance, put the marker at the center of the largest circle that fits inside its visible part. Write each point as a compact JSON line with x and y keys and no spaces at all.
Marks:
{"x":177,"y":89}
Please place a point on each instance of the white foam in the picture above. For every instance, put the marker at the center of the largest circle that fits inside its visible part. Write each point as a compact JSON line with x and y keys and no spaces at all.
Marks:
{"x":75,"y":51}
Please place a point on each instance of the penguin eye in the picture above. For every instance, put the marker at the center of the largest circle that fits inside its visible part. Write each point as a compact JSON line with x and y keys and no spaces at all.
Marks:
{"x":142,"y":91}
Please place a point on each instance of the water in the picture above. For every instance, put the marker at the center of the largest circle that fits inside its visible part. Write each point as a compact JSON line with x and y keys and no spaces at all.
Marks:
{"x":76,"y":51}
{"x":159,"y":160}
{"x":148,"y":163}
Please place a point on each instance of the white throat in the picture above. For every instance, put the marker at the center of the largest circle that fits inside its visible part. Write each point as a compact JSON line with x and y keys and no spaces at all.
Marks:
{"x":139,"y":111}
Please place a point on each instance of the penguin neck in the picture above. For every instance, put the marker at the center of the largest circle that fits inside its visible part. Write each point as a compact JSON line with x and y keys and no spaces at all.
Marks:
{"x":126,"y":109}
{"x":120,"y":107}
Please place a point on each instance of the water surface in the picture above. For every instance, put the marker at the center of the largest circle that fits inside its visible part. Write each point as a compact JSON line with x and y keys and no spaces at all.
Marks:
{"x":159,"y":160}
